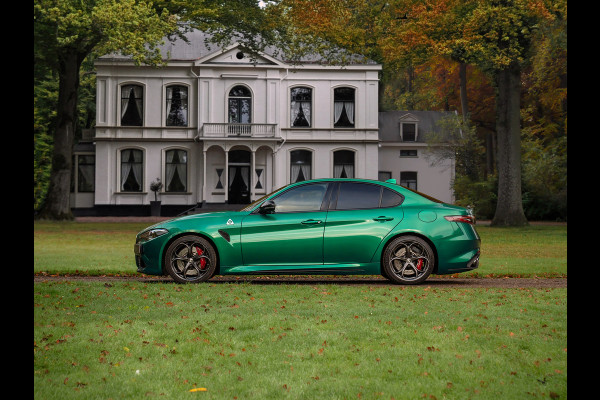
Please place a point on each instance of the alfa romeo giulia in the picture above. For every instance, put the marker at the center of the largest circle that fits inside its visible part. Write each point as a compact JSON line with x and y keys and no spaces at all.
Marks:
{"x":323,"y":226}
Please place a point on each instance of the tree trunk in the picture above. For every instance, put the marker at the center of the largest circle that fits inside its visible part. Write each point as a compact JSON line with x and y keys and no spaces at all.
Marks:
{"x":462,"y":78}
{"x":57,"y":205}
{"x":509,"y":210}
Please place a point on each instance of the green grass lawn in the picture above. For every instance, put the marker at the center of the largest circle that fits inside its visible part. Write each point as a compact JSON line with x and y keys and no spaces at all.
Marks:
{"x":107,"y":248}
{"x":248,"y":341}
{"x":271,"y":341}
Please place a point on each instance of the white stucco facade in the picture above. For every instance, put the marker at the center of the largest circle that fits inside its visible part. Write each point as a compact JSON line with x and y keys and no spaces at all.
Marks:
{"x":240,"y":139}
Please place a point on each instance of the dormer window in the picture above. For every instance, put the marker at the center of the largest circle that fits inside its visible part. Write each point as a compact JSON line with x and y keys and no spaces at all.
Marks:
{"x":408,"y":132}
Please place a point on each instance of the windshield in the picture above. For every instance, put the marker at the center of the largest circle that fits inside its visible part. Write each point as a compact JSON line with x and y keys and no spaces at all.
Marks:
{"x":256,"y":202}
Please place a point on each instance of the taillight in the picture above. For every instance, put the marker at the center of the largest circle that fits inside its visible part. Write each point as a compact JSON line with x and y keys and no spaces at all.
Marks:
{"x":467,"y":219}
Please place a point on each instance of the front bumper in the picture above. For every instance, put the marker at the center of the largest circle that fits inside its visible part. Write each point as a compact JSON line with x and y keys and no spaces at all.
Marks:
{"x":147,"y":257}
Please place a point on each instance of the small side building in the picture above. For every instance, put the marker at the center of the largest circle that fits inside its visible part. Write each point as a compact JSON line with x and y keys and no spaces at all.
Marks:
{"x":404,"y":156}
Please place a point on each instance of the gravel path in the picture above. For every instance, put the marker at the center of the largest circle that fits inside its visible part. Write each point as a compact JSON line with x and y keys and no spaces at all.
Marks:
{"x":437,"y":282}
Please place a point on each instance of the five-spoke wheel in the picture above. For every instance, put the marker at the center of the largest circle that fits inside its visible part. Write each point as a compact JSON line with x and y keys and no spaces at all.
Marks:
{"x":408,"y":260}
{"x":190,"y":259}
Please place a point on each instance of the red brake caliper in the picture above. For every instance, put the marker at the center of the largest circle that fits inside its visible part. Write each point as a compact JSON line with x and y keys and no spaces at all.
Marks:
{"x":420,"y":264}
{"x":199,"y":251}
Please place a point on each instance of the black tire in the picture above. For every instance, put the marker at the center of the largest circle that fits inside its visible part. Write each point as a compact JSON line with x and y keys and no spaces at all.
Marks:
{"x":407,"y":260}
{"x":190,"y":259}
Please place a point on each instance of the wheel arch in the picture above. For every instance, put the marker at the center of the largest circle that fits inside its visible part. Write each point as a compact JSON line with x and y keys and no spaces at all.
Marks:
{"x":411,"y":233}
{"x":188,"y":233}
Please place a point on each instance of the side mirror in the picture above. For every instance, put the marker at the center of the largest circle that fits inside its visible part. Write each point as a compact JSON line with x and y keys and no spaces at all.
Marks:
{"x":268,"y":207}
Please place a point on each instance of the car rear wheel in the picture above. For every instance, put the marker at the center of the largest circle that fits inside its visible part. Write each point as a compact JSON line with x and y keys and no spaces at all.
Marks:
{"x":190,"y":259}
{"x":408,"y":260}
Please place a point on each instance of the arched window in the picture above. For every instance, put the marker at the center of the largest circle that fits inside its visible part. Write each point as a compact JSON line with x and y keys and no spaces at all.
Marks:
{"x":132,"y":163}
{"x":176,"y":171}
{"x":240,"y":105}
{"x":343,"y":164}
{"x":300,"y":106}
{"x":300,"y":165}
{"x":343,"y":107}
{"x":177,"y":105}
{"x":132,"y":105}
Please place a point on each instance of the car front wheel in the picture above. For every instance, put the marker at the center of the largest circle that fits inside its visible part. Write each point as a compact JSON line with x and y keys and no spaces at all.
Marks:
{"x":408,"y":260}
{"x":190,"y":259}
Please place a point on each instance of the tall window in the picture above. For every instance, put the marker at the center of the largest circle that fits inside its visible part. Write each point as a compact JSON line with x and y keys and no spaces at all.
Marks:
{"x":131,"y":170}
{"x":409,"y":179}
{"x":300,"y":106}
{"x":343,"y":107}
{"x":132,"y":105}
{"x":176,"y":171}
{"x":300,"y":165}
{"x":240,"y":105}
{"x":177,"y":105}
{"x":85,"y":173}
{"x":408,"y":132}
{"x":343,"y":164}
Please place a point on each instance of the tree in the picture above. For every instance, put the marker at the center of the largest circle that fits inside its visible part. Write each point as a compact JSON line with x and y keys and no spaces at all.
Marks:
{"x":66,"y":32}
{"x":494,"y":35}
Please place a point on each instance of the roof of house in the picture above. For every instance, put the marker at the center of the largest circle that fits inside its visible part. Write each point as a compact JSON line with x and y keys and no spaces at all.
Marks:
{"x":199,"y":46}
{"x":427,"y":122}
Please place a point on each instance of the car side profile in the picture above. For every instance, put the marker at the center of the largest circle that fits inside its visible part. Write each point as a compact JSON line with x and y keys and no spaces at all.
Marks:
{"x":321,"y":226}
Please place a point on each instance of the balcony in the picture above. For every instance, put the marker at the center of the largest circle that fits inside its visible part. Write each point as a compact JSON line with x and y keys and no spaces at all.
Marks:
{"x":221,"y":130}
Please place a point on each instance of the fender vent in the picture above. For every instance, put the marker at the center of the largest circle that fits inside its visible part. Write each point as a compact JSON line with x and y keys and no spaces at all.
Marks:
{"x":225,"y":235}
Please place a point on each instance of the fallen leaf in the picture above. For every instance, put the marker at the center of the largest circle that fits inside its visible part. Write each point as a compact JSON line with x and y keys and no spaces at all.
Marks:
{"x":198,"y":390}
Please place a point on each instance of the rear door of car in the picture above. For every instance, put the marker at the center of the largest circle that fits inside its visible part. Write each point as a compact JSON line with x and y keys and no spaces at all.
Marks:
{"x":360,"y":215}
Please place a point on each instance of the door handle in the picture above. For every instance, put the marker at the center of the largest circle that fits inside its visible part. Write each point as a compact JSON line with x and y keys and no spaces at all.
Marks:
{"x":382,"y":218}
{"x":311,"y":222}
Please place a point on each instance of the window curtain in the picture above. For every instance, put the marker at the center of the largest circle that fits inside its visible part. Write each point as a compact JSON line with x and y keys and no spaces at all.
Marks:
{"x":176,"y":106}
{"x":339,"y":106}
{"x":300,"y":172}
{"x":86,"y":178}
{"x":176,"y":162}
{"x":131,"y":162}
{"x":343,"y":171}
{"x":131,"y":105}
{"x":300,"y":113}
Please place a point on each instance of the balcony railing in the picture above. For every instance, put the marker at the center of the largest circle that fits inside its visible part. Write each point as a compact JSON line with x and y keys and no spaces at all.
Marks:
{"x":237,"y":130}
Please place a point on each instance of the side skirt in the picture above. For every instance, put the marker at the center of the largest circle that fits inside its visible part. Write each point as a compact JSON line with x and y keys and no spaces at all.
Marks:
{"x":319,"y":269}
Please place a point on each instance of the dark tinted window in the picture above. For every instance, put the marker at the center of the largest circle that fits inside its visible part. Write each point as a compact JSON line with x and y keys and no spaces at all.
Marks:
{"x":355,"y":195}
{"x":389,"y":198}
{"x":301,"y":198}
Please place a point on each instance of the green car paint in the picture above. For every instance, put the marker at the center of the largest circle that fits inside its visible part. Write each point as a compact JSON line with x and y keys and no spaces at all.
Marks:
{"x":314,"y":234}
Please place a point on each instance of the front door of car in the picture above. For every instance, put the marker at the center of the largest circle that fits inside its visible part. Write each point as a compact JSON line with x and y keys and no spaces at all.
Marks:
{"x":292,"y":236}
{"x":358,"y":221}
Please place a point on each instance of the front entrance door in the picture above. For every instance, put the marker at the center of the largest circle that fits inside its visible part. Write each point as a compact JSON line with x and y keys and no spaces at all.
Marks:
{"x":239,"y":177}
{"x":239,"y":184}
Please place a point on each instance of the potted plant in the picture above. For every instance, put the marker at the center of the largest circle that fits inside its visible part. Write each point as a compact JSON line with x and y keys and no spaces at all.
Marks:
{"x":155,"y":186}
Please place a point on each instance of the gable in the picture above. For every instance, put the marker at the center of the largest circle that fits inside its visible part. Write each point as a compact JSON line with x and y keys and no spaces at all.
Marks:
{"x":235,"y":55}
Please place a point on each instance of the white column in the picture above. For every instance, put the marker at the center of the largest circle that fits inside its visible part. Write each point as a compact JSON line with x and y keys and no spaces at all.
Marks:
{"x":226,"y":175}
{"x":253,"y":163}
{"x":204,"y":176}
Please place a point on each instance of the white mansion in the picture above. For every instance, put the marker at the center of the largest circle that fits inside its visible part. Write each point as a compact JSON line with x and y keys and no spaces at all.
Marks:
{"x":217,"y":127}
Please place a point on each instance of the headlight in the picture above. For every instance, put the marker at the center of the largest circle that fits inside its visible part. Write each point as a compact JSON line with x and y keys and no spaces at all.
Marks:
{"x":151,"y":234}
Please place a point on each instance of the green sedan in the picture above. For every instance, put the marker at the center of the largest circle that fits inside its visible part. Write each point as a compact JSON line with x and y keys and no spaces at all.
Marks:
{"x":323,"y":226}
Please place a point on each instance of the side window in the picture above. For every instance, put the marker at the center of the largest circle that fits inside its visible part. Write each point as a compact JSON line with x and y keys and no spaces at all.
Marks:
{"x":355,"y":195}
{"x":301,"y":199}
